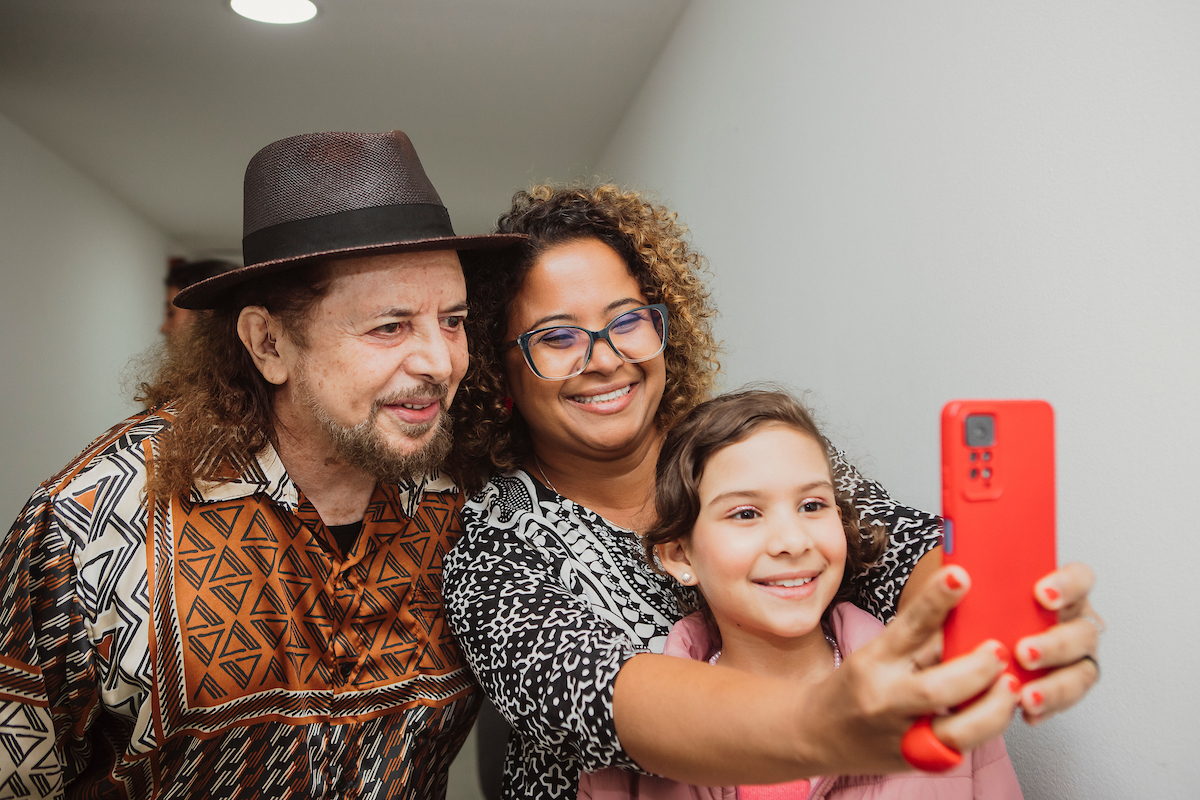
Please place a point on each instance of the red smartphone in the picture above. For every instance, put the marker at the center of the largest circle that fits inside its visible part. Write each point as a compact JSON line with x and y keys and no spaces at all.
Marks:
{"x":998,"y":507}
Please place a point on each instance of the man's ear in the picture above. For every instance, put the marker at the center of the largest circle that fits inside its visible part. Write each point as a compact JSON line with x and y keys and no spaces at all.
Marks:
{"x":257,"y":330}
{"x":675,"y":561}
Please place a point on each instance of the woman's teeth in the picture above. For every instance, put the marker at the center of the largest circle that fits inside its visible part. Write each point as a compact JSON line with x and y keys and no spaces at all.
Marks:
{"x":788,"y":583}
{"x":603,"y":398}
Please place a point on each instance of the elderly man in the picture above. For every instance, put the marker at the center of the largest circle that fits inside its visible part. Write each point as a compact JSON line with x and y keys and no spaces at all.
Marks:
{"x":237,"y":593}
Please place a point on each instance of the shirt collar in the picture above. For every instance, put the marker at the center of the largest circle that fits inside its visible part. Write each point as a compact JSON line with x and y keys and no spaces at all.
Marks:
{"x":268,"y":476}
{"x":265,"y":476}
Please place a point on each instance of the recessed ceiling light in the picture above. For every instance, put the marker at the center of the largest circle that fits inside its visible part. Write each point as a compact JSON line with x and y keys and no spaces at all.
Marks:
{"x":279,"y":12}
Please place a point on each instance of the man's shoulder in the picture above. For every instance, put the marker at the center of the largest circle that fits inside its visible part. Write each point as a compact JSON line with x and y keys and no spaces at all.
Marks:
{"x":123,"y":446}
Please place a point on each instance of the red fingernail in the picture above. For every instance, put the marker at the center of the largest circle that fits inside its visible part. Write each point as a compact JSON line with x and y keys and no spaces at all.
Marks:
{"x":1050,"y":592}
{"x":1033,"y":654}
{"x":1002,"y":654}
{"x":1037,"y":699}
{"x":1014,"y":685}
{"x":952,"y":581}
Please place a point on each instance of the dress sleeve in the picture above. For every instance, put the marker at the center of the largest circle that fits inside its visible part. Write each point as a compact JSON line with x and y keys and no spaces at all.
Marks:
{"x":911,"y":534}
{"x":544,"y":656}
{"x":48,"y":690}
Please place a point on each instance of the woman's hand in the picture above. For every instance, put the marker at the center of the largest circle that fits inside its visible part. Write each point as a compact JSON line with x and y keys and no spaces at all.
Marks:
{"x":885,"y":686}
{"x":1071,"y":645}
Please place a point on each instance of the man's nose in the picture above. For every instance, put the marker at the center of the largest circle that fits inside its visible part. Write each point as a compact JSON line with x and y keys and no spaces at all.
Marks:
{"x":431,"y":357}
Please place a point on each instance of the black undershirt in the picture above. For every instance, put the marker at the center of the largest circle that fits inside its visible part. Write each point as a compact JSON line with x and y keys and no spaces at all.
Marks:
{"x":345,"y":535}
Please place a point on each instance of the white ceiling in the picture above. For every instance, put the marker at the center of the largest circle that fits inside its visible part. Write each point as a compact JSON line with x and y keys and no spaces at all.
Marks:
{"x":164,"y":101}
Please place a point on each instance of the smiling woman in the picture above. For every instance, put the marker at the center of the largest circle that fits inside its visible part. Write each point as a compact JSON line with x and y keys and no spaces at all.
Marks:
{"x":607,"y":408}
{"x":548,"y":593}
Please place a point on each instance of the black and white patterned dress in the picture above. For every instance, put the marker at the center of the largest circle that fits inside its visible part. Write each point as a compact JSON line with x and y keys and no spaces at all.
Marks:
{"x":548,"y":600}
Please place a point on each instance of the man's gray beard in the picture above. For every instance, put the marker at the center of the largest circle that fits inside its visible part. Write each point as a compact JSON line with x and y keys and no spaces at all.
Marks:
{"x":363,"y":447}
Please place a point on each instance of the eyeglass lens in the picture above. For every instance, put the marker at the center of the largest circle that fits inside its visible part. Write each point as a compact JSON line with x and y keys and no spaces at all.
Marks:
{"x":562,"y":352}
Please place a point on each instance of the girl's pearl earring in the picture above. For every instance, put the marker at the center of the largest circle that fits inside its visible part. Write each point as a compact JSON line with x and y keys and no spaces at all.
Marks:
{"x":685,"y":577}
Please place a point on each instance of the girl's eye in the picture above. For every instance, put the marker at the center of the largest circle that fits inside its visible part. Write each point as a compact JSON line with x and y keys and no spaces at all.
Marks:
{"x":812,"y":506}
{"x":746,"y":512}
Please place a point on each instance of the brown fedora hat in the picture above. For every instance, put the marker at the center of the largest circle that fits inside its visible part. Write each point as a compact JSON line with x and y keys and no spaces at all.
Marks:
{"x":333,"y":195}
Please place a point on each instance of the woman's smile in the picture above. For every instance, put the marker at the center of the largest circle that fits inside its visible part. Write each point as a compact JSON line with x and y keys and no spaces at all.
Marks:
{"x":606,"y":401}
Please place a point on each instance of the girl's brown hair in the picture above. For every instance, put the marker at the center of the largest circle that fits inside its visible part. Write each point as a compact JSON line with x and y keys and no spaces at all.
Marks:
{"x":489,"y":437}
{"x":727,"y":420}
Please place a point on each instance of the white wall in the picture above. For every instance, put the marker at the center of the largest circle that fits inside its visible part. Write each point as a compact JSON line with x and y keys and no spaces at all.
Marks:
{"x":82,"y":293}
{"x":908,"y":202}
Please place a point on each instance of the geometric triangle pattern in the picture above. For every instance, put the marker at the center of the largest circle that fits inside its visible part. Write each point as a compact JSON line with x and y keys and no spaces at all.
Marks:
{"x":221,"y":644}
{"x":259,"y":613}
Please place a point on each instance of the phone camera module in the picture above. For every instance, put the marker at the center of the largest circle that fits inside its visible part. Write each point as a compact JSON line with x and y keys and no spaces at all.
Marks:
{"x":980,"y":430}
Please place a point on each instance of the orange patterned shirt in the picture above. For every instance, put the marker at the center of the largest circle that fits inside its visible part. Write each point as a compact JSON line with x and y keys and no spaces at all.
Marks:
{"x":220,"y":644}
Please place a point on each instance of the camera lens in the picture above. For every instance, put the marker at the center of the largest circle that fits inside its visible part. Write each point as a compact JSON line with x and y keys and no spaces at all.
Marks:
{"x":980,"y":430}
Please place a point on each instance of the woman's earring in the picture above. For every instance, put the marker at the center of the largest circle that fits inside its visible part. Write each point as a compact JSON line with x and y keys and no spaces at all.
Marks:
{"x":508,"y":405}
{"x":685,"y":577}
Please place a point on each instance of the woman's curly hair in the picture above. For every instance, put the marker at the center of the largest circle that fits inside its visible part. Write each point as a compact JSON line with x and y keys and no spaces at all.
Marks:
{"x":491,"y":437}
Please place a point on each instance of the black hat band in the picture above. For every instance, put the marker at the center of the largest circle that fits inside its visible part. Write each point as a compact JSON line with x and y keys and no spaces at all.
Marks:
{"x":347,"y":230}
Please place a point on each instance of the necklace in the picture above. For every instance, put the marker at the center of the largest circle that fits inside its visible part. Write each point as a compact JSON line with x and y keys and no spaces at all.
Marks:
{"x":542,"y":471}
{"x":837,"y":653}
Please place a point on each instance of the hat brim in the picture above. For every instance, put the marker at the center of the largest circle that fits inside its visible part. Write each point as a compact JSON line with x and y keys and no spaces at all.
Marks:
{"x":210,"y":293}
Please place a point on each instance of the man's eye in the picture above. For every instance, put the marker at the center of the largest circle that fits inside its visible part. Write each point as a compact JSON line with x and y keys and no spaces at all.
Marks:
{"x":388,"y":329}
{"x":454,"y":322}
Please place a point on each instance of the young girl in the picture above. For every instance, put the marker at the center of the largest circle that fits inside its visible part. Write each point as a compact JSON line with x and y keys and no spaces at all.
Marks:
{"x":748,"y":513}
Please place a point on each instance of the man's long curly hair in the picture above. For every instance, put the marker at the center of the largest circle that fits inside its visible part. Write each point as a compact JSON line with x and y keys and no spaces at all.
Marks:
{"x":490,"y":438}
{"x":222,"y":405}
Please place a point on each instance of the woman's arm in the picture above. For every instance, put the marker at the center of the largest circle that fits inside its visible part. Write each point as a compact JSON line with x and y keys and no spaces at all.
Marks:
{"x":700,"y":724}
{"x":567,"y":679}
{"x":911,"y":535}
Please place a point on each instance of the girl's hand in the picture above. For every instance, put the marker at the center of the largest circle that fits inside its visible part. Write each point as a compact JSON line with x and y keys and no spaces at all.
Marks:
{"x":1071,"y":645}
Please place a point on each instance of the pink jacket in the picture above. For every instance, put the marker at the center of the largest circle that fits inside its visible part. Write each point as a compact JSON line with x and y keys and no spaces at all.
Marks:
{"x":985,"y":773}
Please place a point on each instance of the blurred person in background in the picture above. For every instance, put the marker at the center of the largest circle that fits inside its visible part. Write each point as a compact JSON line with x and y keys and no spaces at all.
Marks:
{"x":181,"y":274}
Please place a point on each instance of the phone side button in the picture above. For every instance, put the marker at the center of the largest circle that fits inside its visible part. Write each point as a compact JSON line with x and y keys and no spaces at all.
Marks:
{"x":948,"y":536}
